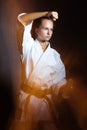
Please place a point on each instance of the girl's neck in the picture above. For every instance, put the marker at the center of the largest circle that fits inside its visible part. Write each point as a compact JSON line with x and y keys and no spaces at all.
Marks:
{"x":43,"y":45}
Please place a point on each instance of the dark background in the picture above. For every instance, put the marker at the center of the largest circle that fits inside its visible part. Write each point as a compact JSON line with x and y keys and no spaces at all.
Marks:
{"x":69,"y":39}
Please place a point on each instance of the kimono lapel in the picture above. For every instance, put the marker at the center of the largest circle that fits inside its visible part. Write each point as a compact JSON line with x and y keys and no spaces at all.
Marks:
{"x":40,"y":63}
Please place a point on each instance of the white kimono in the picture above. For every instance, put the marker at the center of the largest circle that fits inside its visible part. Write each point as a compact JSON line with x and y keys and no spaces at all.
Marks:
{"x":43,"y":69}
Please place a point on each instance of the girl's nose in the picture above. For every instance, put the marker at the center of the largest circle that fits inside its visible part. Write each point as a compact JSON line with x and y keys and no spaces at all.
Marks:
{"x":49,"y":31}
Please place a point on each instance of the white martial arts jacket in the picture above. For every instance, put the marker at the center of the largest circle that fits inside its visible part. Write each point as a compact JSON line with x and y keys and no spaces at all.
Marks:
{"x":42,"y":68}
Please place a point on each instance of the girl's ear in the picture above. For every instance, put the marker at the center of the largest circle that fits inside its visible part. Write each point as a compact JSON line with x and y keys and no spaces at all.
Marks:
{"x":36,"y":30}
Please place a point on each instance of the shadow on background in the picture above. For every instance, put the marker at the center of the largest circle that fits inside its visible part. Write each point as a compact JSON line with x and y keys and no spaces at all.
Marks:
{"x":6,"y":88}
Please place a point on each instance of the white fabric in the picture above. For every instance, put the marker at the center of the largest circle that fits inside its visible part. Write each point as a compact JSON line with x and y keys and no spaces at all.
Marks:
{"x":44,"y":68}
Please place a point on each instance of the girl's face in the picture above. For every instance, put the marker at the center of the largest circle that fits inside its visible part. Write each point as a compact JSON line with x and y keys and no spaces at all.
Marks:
{"x":45,"y":30}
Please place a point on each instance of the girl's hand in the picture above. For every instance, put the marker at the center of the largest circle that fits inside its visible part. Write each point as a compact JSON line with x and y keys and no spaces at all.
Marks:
{"x":53,"y":14}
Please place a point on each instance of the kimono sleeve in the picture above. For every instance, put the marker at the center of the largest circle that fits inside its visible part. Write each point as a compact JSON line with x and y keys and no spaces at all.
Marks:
{"x":60,"y":70}
{"x":25,"y":38}
{"x":28,"y":41}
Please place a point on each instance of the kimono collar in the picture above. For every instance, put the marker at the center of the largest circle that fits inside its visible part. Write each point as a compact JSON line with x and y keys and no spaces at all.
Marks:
{"x":47,"y":43}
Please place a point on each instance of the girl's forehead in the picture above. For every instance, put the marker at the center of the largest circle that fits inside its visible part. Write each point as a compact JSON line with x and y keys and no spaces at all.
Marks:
{"x":46,"y":21}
